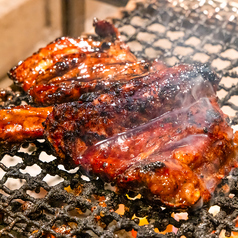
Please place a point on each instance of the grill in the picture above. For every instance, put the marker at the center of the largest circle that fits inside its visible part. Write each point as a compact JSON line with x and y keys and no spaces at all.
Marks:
{"x":55,"y":202}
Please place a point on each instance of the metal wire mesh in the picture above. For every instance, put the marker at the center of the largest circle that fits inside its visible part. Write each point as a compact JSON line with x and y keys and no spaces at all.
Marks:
{"x":189,"y":31}
{"x":74,"y":206}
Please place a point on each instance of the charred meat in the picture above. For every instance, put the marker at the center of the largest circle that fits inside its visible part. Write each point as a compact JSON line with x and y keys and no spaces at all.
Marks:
{"x":162,"y":135}
{"x":72,"y":127}
{"x":177,"y":158}
{"x":146,"y":127}
{"x":67,"y":68}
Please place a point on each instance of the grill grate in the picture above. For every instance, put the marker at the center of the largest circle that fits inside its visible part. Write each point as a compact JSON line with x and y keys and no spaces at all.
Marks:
{"x":79,"y":207}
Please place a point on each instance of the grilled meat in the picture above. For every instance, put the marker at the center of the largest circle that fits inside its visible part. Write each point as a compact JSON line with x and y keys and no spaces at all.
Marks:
{"x":161,"y":134}
{"x":120,"y":89}
{"x":100,"y":77}
{"x":72,"y":127}
{"x":22,"y":123}
{"x":177,"y":158}
{"x":148,"y":128}
{"x":67,"y":68}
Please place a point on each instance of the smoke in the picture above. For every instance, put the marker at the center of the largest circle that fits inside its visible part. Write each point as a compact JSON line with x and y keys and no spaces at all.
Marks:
{"x":197,"y":88}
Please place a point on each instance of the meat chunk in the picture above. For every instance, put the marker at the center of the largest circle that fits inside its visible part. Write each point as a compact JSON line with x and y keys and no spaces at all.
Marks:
{"x":22,"y":123}
{"x":177,"y":158}
{"x":72,"y":127}
{"x":97,"y":78}
{"x":67,"y":68}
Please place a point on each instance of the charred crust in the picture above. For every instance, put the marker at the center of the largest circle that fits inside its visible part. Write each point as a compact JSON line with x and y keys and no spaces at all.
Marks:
{"x":60,"y":67}
{"x":105,"y":46}
{"x":153,"y":166}
{"x":88,"y":97}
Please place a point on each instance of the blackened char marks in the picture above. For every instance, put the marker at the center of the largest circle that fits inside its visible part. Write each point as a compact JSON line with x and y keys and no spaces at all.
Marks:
{"x":67,"y":68}
{"x":116,"y":112}
{"x":152,"y":166}
{"x":177,"y":163}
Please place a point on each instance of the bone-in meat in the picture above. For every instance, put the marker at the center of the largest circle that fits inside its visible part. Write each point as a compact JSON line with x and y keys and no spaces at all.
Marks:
{"x":177,"y":158}
{"x":162,"y":135}
{"x":67,"y":68}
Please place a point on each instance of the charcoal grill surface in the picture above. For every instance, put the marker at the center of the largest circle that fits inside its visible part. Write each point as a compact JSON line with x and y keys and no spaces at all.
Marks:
{"x":173,"y":31}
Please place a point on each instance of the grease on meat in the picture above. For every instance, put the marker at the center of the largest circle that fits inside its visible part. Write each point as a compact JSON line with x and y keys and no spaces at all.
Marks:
{"x":67,"y":68}
{"x":148,"y":128}
{"x":178,"y":158}
{"x":72,"y":127}
{"x":22,"y":123}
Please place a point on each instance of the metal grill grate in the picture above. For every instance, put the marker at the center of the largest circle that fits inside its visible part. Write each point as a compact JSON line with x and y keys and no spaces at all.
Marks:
{"x":76,"y":207}
{"x":189,"y":31}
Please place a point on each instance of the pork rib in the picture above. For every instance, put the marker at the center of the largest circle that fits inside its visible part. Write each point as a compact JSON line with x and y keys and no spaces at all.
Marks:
{"x":67,"y":68}
{"x":72,"y":127}
{"x":177,"y":158}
